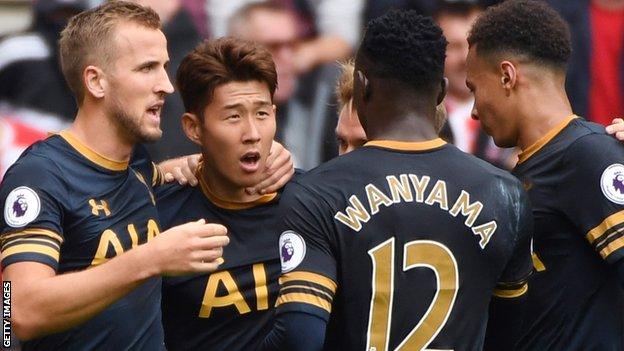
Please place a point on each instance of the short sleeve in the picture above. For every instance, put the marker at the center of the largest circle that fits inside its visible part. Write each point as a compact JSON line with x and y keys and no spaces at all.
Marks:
{"x":141,"y":162}
{"x":32,"y":194}
{"x":591,"y":192}
{"x":513,"y":281}
{"x":308,"y":281}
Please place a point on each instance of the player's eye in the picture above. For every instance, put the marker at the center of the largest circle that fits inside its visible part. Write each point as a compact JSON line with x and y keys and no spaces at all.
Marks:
{"x":263,"y":114}
{"x":233,"y":117}
{"x":147,"y":68}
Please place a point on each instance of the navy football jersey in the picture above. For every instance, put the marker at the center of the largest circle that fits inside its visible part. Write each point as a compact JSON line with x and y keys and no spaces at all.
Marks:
{"x":575,"y":179}
{"x":401,"y":245}
{"x":231,"y":308}
{"x":70,"y":208}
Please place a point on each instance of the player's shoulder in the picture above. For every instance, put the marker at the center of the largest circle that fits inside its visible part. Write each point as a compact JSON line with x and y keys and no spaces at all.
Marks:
{"x":167,"y":194}
{"x":590,"y":138}
{"x":335,"y":167}
{"x":481,"y":172}
{"x":40,"y":160}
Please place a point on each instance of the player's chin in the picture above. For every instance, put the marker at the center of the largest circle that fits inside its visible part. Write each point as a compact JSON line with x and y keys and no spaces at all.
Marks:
{"x":151,"y":135}
{"x":246,"y":179}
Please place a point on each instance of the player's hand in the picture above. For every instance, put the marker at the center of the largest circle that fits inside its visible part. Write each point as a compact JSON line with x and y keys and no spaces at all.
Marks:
{"x":279,"y":170}
{"x":194,"y":247}
{"x":616,"y":128}
{"x":184,"y":173}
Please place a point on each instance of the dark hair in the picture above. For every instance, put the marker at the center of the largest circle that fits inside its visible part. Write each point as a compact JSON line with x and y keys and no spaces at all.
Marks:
{"x":523,"y":27}
{"x":221,"y":61}
{"x":405,"y":46}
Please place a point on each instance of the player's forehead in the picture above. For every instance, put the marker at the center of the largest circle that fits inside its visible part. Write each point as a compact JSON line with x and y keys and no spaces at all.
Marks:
{"x":240,"y":94}
{"x":133,"y":40}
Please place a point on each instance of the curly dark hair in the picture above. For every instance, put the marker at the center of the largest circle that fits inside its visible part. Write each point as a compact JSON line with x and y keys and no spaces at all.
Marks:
{"x":523,"y":27}
{"x":405,"y":46}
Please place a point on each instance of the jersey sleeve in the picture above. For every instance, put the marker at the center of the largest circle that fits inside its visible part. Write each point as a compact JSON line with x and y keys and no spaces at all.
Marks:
{"x":32,"y":194}
{"x":591,"y":192}
{"x":141,"y":161}
{"x":513,"y":281}
{"x":308,"y":281}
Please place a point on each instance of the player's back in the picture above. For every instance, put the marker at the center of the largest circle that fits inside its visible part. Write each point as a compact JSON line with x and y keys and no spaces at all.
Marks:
{"x":421,"y":233}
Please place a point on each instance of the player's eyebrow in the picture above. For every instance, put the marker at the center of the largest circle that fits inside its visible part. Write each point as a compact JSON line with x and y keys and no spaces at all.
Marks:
{"x":256,"y":103}
{"x":151,"y":63}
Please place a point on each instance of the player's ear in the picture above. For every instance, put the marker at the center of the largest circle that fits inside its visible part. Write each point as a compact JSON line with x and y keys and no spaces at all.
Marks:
{"x":95,"y":81}
{"x":443,"y":89}
{"x":509,"y":75}
{"x":191,"y":124}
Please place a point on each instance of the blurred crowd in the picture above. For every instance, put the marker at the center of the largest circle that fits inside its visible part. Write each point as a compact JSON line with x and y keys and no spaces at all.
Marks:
{"x":307,"y":39}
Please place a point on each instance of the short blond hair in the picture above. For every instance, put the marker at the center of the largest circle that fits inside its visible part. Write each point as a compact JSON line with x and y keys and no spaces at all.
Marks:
{"x":88,"y":38}
{"x":344,"y":86}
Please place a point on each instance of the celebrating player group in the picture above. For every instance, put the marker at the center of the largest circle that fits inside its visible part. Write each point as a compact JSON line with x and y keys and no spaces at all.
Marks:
{"x":403,"y":242}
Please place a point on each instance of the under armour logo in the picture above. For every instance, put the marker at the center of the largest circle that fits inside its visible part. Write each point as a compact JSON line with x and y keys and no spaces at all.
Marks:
{"x":102,"y":206}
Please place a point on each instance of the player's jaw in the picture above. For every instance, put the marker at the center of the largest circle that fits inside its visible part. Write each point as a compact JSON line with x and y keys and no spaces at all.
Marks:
{"x":136,"y":125}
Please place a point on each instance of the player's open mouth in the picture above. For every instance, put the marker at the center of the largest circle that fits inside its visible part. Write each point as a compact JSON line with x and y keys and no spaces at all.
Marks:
{"x":154,"y":111}
{"x":250,"y":162}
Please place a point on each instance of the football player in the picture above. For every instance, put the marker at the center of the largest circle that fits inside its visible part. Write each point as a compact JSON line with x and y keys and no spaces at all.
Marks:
{"x":571,"y":169}
{"x":227,"y":86}
{"x":402,"y":243}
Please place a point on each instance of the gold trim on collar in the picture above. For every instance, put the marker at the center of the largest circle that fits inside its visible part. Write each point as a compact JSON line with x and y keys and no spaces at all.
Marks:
{"x":407,"y":145}
{"x":229,"y":205}
{"x":531,"y":150}
{"x":92,"y":155}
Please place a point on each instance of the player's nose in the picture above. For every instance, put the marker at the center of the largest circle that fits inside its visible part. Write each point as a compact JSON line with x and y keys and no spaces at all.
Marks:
{"x":252,"y":131}
{"x":164,"y":84}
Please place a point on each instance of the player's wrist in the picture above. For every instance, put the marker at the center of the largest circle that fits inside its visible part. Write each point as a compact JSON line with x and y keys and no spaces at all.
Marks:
{"x":149,"y":259}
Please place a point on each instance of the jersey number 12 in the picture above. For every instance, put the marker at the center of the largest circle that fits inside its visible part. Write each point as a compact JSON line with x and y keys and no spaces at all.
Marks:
{"x":419,"y":253}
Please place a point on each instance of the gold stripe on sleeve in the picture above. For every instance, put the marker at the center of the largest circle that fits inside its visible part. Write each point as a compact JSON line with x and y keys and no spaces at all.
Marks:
{"x":511,"y":293}
{"x":608,"y":223}
{"x":33,"y":231}
{"x":34,"y":248}
{"x":311,"y":277}
{"x":304,"y":298}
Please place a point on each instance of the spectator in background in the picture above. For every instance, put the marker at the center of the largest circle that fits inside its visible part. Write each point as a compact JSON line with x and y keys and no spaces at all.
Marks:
{"x":30,"y":73}
{"x":197,"y":11}
{"x":456,"y":18}
{"x":595,"y":79}
{"x":305,"y":110}
{"x":182,"y":37}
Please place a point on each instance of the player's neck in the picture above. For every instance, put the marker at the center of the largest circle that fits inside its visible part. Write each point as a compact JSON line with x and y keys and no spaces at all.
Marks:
{"x":221,"y":190}
{"x":401,"y":127}
{"x":546,"y":110}
{"x":94,"y":130}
